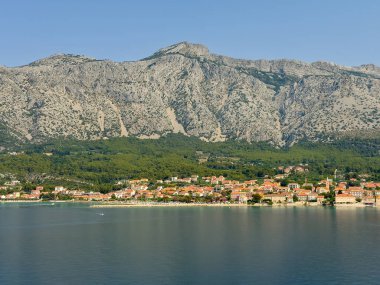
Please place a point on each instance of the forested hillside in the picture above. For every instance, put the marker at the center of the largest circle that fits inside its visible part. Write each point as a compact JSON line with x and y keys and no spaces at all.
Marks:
{"x":107,"y":161}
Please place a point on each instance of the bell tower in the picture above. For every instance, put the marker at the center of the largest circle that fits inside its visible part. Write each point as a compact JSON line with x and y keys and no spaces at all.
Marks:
{"x":327,"y":184}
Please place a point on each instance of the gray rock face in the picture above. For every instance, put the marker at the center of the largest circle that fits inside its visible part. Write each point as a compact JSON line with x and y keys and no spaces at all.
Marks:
{"x":183,"y":88}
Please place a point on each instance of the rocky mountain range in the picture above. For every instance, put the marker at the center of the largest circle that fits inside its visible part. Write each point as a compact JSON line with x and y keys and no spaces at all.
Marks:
{"x":186,"y":89}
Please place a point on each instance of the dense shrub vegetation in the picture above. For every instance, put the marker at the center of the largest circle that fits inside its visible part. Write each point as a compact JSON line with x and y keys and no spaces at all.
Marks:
{"x":106,"y":161}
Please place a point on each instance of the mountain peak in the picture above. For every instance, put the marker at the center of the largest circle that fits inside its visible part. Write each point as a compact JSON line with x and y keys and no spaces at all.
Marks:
{"x":184,"y":48}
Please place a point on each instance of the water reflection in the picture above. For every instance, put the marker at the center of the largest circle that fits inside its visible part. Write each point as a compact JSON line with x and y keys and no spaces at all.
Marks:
{"x":72,"y":244}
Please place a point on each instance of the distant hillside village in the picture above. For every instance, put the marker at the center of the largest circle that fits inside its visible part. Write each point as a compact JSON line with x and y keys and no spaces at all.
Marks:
{"x":195,"y":189}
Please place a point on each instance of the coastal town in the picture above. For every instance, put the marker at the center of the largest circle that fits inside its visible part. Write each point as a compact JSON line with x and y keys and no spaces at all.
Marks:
{"x":211,"y":190}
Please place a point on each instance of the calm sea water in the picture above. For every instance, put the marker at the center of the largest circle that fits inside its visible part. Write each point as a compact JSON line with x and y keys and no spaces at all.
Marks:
{"x":73,"y":244}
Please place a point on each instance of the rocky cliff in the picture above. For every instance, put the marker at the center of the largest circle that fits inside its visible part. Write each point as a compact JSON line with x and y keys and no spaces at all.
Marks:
{"x":186,"y":89}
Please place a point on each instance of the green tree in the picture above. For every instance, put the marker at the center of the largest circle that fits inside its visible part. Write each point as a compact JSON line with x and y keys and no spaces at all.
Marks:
{"x":256,"y":198}
{"x":28,"y":187}
{"x":267,"y":201}
{"x":47,"y":196}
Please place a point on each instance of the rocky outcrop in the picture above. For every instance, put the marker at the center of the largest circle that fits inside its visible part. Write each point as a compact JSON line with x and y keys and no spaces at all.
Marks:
{"x":183,"y":88}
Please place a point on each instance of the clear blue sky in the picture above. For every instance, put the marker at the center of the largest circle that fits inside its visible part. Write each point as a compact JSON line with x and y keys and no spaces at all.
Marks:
{"x":343,"y":31}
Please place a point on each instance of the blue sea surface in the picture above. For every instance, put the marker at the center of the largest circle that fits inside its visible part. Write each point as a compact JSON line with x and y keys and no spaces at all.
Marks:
{"x":75,"y":244}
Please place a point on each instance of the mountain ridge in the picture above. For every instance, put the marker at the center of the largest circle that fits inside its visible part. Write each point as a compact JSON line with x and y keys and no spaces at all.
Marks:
{"x":182,"y":47}
{"x":185,"y":88}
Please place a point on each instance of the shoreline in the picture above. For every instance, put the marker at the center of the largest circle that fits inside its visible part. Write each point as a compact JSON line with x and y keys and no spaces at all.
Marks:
{"x":97,"y":204}
{"x":23,"y":201}
{"x":149,"y":205}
